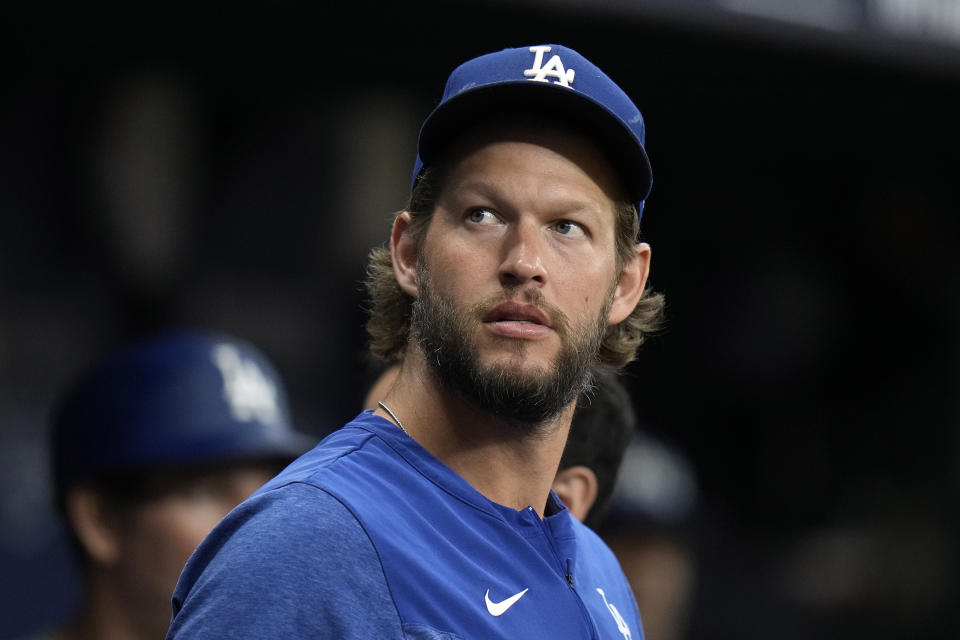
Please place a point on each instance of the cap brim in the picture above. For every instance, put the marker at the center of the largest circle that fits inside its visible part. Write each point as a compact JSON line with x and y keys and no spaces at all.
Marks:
{"x":215,"y":449}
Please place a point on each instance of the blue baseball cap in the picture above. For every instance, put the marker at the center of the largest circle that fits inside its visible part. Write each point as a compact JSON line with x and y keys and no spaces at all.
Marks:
{"x":548,"y":79}
{"x":657,"y":487}
{"x":177,"y":399}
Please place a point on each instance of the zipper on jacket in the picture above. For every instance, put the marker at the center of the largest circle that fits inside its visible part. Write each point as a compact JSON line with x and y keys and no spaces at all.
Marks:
{"x":567,"y":571}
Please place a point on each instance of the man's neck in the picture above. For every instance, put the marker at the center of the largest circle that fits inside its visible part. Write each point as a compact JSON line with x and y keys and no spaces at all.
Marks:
{"x":505,"y":463}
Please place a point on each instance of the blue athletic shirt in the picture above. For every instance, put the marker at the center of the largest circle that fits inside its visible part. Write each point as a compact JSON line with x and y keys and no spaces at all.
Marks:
{"x":370,"y":536}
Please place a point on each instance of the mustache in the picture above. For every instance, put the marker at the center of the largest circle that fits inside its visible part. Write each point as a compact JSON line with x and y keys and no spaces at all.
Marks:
{"x":558,"y":319}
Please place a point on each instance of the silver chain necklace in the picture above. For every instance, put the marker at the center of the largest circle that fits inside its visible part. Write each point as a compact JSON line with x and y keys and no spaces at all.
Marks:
{"x":393,"y":415}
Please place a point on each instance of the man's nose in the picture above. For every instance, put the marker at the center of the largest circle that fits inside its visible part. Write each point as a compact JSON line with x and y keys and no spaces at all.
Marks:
{"x":523,"y":256}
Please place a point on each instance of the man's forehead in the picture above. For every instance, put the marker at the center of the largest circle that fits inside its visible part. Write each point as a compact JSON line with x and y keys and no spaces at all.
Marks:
{"x":473,"y":149}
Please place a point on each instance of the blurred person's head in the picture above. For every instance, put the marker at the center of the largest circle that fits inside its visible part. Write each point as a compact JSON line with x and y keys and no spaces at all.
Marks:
{"x":150,"y":448}
{"x":602,"y":425}
{"x":649,"y":526}
{"x":600,"y":431}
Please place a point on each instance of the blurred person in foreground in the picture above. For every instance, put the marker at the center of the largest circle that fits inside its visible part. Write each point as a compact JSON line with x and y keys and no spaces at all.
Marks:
{"x":151,"y":447}
{"x":513,"y":273}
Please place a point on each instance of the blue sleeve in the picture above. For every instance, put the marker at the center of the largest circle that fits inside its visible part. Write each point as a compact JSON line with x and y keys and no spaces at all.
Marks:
{"x":288,"y":563}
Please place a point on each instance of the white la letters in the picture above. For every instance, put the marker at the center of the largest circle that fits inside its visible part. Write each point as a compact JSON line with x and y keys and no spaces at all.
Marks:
{"x":553,"y":69}
{"x":247,"y":390}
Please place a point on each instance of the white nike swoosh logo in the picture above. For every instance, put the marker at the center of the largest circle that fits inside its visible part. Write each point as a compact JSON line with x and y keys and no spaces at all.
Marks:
{"x":499,"y":608}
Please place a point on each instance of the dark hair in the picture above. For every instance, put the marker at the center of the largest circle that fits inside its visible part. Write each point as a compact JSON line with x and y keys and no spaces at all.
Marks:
{"x":603,"y":424}
{"x":389,"y":307}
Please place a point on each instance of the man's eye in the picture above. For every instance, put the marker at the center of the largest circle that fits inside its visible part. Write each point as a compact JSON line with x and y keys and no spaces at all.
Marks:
{"x":568,"y":228}
{"x":481,"y":216}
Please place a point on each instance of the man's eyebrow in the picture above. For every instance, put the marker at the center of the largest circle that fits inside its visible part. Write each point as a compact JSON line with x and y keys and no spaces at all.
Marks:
{"x":474,"y":188}
{"x":563,"y":205}
{"x":481,"y":187}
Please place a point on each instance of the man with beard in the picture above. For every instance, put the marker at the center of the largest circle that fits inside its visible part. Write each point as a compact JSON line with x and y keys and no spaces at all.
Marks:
{"x":513,"y":272}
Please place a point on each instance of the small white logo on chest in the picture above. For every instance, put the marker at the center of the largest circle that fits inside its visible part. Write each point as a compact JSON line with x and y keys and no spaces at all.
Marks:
{"x":499,"y":608}
{"x":553,"y":69}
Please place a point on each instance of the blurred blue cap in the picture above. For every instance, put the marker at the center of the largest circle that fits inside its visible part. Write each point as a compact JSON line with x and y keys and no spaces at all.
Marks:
{"x":656,"y":488}
{"x":552,"y":80}
{"x":181,"y":398}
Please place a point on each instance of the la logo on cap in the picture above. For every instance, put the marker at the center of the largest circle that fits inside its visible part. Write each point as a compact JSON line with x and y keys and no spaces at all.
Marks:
{"x":247,"y":390}
{"x":553,"y":69}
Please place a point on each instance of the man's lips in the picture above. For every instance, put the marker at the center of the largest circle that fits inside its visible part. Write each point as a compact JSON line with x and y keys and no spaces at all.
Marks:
{"x":518,"y":320}
{"x":517,"y":312}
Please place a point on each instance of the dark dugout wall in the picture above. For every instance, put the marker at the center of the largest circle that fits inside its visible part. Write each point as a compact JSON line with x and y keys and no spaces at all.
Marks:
{"x":230,"y":167}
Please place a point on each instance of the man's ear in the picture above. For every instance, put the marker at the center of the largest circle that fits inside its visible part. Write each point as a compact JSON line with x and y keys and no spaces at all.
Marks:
{"x":403,"y":250}
{"x":577,"y":487}
{"x":91,"y":522}
{"x":630,"y":286}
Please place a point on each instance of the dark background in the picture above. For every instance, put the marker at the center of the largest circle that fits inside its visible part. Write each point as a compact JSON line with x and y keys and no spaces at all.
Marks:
{"x":229,"y":167}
